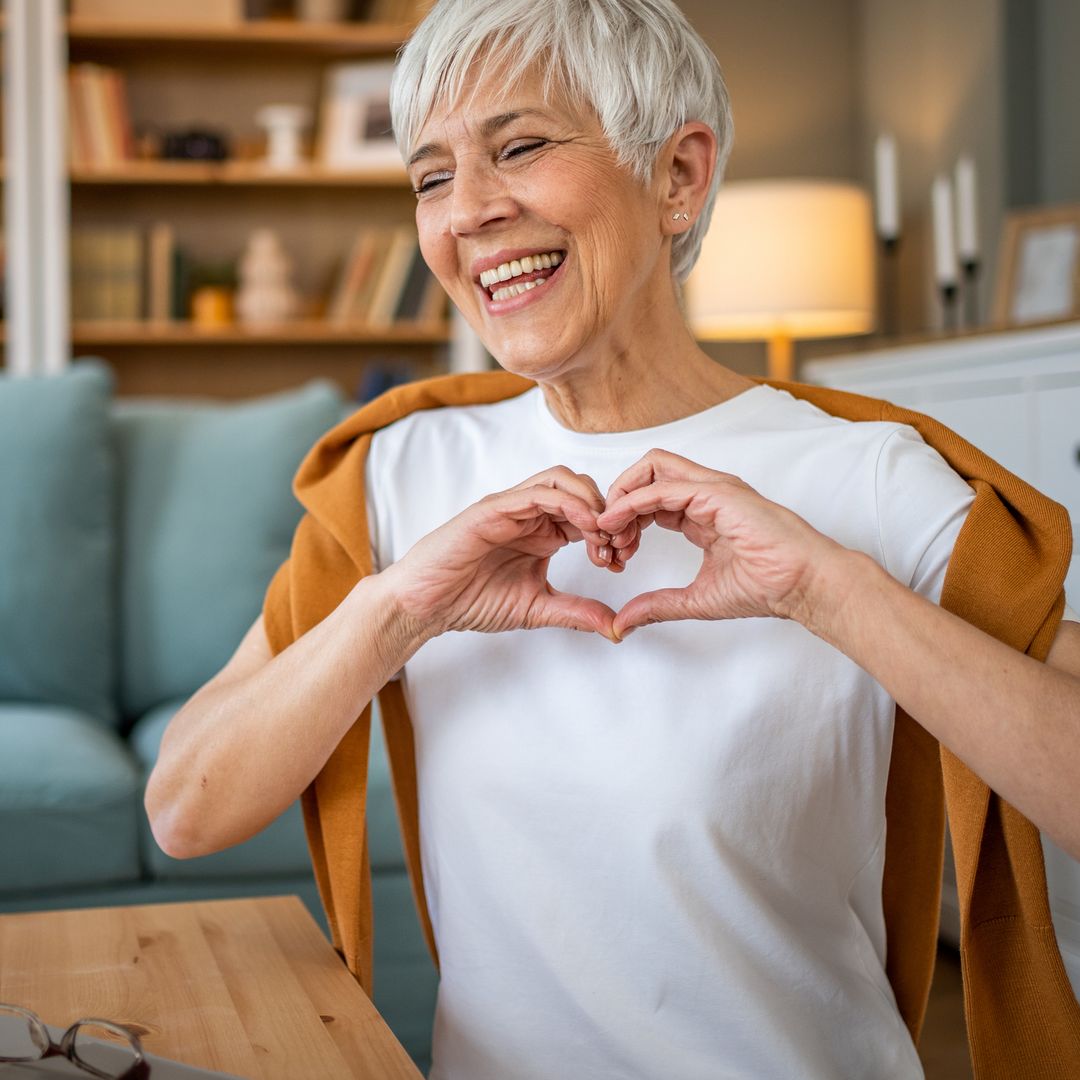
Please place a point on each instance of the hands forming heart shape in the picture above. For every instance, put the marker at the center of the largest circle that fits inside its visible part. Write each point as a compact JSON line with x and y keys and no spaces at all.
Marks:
{"x":486,"y":569}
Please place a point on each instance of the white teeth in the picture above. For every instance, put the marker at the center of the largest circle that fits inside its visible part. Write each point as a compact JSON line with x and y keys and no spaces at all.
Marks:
{"x":512,"y":269}
{"x":516,"y":290}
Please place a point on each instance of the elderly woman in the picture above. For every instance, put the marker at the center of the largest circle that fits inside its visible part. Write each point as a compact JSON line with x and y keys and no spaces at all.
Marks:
{"x":655,"y":857}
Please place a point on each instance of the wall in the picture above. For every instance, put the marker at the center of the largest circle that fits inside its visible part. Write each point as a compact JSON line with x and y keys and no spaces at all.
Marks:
{"x":792,"y":72}
{"x":1059,"y":100}
{"x":933,"y":74}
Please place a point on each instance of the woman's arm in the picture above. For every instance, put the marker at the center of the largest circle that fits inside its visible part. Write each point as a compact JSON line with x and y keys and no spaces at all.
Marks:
{"x":245,"y":745}
{"x":1012,"y":720}
{"x":251,"y":740}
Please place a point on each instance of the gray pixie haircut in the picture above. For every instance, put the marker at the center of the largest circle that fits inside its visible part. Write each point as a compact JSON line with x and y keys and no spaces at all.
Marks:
{"x":638,"y":63}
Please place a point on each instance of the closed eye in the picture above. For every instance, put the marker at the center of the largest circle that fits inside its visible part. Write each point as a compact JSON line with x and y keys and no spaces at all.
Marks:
{"x":434,"y":180}
{"x":431,"y":182}
{"x":523,"y":148}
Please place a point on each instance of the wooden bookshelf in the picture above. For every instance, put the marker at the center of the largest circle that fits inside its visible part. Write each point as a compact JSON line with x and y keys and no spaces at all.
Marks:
{"x":97,"y":334}
{"x":182,"y":76}
{"x":281,"y":36}
{"x":238,"y":173}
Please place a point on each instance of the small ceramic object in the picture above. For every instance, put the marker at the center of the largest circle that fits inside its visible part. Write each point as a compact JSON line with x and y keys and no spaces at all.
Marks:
{"x":265,"y":294}
{"x":284,"y":125}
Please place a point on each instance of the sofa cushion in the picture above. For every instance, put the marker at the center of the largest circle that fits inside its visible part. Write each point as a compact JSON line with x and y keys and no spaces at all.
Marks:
{"x":207,"y":516}
{"x":69,"y":800}
{"x":281,"y":847}
{"x":57,"y":541}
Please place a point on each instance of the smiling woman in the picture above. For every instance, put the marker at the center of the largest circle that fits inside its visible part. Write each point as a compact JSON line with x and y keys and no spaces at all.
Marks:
{"x":665,"y":859}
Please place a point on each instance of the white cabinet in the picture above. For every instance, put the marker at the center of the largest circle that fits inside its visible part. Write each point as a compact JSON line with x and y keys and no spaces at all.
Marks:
{"x":1015,"y":395}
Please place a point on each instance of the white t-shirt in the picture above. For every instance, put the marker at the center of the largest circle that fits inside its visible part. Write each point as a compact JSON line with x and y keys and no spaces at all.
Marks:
{"x":664,"y":858}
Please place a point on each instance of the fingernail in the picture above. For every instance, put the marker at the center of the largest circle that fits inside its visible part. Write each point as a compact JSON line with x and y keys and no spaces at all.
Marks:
{"x":606,"y":553}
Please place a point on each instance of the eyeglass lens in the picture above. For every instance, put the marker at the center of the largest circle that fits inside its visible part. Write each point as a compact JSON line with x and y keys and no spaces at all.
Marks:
{"x":106,"y":1050}
{"x":21,"y":1038}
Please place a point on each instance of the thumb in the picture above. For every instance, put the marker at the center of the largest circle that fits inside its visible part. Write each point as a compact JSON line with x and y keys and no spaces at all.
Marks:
{"x":663,"y":605}
{"x":572,"y":612}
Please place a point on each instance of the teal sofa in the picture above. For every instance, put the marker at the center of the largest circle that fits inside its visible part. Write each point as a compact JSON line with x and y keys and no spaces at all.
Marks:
{"x":137,"y":539}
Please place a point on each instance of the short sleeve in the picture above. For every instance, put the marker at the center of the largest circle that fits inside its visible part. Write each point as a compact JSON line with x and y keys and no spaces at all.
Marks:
{"x":922,"y":503}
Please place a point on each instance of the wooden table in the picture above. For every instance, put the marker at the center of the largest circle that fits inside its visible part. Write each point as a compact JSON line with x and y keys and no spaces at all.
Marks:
{"x":249,"y":987}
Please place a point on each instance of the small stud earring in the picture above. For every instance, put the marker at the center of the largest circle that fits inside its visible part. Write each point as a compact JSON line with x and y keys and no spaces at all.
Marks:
{"x":675,"y":216}
{"x":685,"y":216}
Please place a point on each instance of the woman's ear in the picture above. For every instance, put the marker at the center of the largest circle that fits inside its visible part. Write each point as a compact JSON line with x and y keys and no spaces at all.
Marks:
{"x":686,"y":168}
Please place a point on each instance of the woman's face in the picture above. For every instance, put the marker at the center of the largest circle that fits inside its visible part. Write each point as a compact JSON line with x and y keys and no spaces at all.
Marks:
{"x":505,"y":180}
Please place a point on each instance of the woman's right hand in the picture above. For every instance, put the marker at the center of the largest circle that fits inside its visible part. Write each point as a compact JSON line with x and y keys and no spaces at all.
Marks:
{"x":486,"y":569}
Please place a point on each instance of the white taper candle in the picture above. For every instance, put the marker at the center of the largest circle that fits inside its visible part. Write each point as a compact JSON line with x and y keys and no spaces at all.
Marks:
{"x":967,"y":228}
{"x":944,"y":242}
{"x":887,"y":187}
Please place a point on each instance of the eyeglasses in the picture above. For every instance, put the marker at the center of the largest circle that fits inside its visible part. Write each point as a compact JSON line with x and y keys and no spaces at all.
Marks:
{"x":98,"y":1047}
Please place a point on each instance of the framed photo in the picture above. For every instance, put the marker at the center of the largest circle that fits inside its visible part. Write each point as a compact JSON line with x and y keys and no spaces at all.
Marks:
{"x":354,"y":120}
{"x":1039,"y":273}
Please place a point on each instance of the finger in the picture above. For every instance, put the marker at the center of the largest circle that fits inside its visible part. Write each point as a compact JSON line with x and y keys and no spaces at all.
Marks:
{"x":663,"y":605}
{"x":565,"y":479}
{"x":524,"y":505}
{"x":602,"y":555}
{"x":572,"y":612}
{"x":658,"y":465}
{"x":662,"y":495}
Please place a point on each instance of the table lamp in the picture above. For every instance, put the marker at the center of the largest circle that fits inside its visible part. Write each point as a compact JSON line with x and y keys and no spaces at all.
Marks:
{"x":784,"y":260}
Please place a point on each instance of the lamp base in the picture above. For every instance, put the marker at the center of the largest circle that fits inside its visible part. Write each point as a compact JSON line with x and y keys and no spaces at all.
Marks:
{"x":781,"y":358}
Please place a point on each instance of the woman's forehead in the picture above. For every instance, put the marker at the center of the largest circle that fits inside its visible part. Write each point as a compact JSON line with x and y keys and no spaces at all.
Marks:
{"x":496,"y":91}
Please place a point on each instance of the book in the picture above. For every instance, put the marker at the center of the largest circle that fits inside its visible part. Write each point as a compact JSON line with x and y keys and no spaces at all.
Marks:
{"x":360,"y":306}
{"x":414,"y":288}
{"x":356,"y":271}
{"x":99,"y":123}
{"x":399,"y":254}
{"x":159,"y":272}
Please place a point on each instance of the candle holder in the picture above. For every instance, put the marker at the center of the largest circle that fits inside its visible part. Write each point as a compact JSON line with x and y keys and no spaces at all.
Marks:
{"x":888,"y":298}
{"x":950,"y":309}
{"x":971,"y":268}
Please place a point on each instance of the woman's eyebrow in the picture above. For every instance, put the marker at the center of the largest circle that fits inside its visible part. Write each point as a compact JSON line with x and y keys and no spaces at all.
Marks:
{"x":491,"y":126}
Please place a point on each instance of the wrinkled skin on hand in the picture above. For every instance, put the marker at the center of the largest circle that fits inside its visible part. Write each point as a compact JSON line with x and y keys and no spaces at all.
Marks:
{"x":486,"y":569}
{"x":759,"y":558}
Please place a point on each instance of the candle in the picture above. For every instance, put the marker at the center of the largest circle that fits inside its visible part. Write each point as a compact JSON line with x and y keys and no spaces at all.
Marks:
{"x":944,"y":243}
{"x":887,"y":188}
{"x":967,"y":229}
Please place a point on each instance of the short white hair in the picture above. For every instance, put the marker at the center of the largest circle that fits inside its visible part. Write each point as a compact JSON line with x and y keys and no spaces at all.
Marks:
{"x":638,"y":63}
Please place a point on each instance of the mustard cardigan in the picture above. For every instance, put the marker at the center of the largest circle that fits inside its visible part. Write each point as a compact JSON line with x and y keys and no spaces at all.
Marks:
{"x":1005,"y":577}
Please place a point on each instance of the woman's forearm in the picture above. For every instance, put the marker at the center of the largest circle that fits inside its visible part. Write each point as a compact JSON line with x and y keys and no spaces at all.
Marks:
{"x":1014,"y":721}
{"x":239,"y":752}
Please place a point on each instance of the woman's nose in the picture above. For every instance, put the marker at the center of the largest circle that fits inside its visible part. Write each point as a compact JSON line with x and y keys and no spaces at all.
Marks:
{"x":479,"y":199}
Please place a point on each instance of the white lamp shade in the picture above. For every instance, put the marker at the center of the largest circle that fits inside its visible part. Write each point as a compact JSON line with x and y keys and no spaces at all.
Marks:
{"x":790,"y":258}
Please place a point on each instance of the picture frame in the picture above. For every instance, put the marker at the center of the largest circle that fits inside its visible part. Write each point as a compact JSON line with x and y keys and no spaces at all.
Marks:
{"x":1038,"y":277}
{"x":354,"y":120}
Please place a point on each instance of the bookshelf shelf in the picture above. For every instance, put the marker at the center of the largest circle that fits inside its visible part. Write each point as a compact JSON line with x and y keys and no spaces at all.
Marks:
{"x":258,"y":36}
{"x":300,"y":332}
{"x":238,"y":173}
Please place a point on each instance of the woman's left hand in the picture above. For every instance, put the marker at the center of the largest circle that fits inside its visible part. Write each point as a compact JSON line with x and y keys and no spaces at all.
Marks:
{"x":760,"y":559}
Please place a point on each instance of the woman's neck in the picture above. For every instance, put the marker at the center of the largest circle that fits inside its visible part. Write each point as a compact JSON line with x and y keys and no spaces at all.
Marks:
{"x":642,"y":387}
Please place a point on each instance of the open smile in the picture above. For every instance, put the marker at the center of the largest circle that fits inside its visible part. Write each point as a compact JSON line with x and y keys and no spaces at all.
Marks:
{"x":514,"y":283}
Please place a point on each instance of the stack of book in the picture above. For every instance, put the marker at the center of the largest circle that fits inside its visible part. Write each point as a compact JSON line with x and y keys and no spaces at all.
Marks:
{"x":385,"y":280}
{"x":99,"y":124}
{"x":123,"y":273}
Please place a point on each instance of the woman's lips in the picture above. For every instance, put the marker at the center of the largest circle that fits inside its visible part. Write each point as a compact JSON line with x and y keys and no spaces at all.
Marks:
{"x":530,"y":296}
